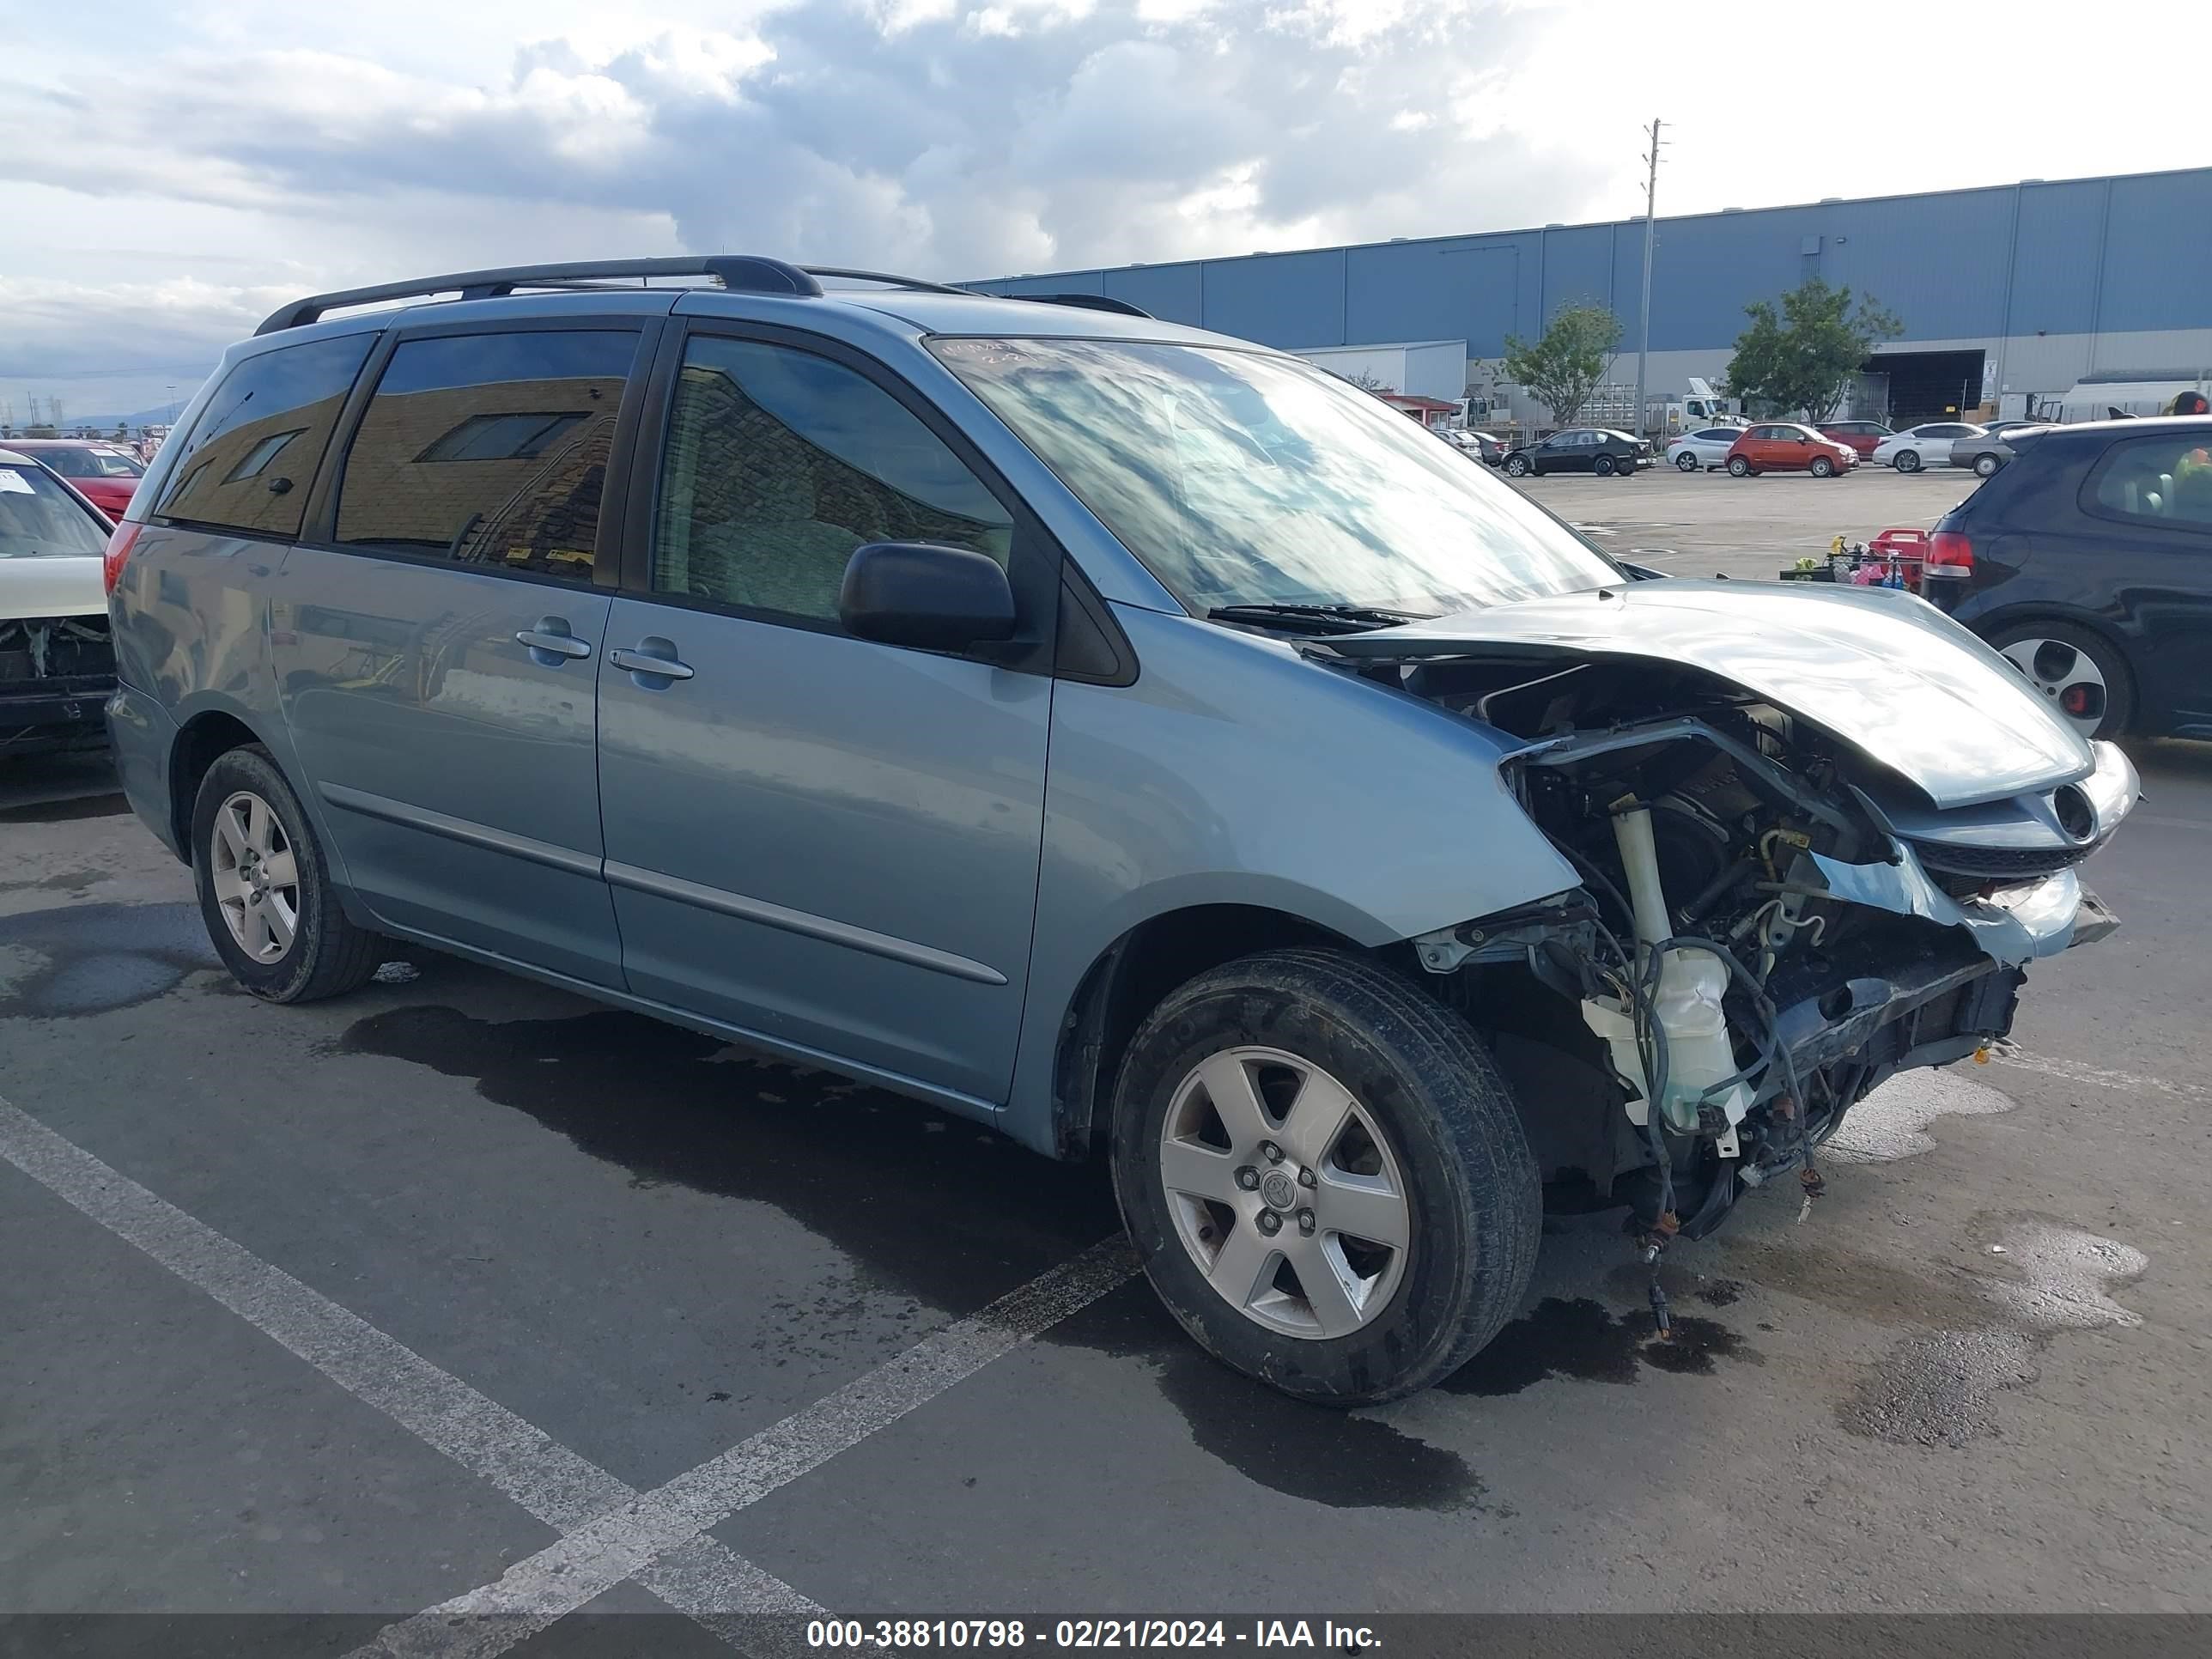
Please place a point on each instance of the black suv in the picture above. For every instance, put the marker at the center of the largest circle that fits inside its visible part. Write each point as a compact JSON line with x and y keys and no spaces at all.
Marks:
{"x":2087,"y":562}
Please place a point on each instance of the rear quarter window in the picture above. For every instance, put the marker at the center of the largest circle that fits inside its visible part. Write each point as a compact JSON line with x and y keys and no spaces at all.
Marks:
{"x":2163,"y":480}
{"x":247,"y":463}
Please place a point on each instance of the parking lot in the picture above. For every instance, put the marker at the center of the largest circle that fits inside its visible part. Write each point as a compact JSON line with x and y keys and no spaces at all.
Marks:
{"x":1705,"y":524}
{"x":461,"y":1295}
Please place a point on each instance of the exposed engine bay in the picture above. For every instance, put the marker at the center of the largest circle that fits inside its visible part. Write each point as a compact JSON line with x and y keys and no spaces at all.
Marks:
{"x":55,"y":675}
{"x":1770,"y":922}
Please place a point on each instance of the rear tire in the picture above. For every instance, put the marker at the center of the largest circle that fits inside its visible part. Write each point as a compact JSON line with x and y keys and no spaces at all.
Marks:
{"x":1985,"y":466}
{"x":264,"y":886}
{"x":1602,"y":466}
{"x":1427,"y":1143}
{"x":1738,"y":467}
{"x":2071,"y":655}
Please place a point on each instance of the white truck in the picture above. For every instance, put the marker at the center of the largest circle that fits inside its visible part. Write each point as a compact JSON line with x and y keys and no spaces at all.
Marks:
{"x":2099,"y":397}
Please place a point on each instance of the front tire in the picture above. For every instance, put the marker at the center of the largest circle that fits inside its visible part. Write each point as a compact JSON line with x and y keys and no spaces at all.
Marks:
{"x":1739,"y":467}
{"x":264,"y":886}
{"x":1823,"y":467}
{"x":1686,"y":462}
{"x":1516,"y":466}
{"x":1908,"y":460}
{"x":1325,"y":1176}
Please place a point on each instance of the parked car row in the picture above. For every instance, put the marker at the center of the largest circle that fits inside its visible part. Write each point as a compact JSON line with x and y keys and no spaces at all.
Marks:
{"x":104,"y":473}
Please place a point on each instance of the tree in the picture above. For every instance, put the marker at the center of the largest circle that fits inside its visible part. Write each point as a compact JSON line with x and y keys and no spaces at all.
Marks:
{"x":1366,"y":382}
{"x":1569,"y":362}
{"x":1798,"y":359}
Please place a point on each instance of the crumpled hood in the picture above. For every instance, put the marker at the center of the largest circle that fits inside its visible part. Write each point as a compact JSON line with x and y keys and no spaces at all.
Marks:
{"x":1881,"y":670}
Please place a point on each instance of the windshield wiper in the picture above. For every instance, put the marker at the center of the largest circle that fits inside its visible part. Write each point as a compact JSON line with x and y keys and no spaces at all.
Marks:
{"x":1319,"y":619}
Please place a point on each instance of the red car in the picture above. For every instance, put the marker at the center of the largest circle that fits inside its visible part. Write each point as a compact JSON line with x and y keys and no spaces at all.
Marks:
{"x":1860,"y":435}
{"x":1786,"y":446}
{"x":105,"y":474}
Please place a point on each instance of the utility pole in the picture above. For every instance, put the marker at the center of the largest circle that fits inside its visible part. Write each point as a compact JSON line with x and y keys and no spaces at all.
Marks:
{"x":1650,"y":215}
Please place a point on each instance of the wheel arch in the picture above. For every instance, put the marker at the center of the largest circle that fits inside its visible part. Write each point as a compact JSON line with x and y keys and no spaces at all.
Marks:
{"x":1128,"y":979}
{"x":202,"y":737}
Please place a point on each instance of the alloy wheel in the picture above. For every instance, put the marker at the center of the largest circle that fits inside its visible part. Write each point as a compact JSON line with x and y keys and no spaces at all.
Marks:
{"x":1284,"y":1192}
{"x":256,"y":877}
{"x":2067,"y":675}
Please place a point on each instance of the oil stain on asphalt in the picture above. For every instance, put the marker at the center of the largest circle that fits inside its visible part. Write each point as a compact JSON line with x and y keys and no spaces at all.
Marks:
{"x":1317,"y":1453}
{"x":96,"y":958}
{"x":937,"y":1208}
{"x":926,"y":1204}
{"x":1582,"y":1340}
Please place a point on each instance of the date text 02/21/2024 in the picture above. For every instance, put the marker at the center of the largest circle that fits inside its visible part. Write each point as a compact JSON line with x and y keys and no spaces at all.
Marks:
{"x":926,"y":1634}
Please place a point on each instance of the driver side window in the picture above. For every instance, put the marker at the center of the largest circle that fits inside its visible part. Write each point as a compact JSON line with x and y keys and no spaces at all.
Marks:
{"x":780,"y":463}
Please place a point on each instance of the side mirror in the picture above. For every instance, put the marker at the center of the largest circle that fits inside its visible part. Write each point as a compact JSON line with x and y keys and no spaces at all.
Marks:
{"x":920,"y":594}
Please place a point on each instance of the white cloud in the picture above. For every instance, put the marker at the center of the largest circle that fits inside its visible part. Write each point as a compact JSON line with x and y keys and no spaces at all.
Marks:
{"x":244,"y":147}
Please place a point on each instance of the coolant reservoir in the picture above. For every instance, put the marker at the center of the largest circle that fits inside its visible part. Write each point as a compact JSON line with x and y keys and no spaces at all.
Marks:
{"x":1686,"y":1005}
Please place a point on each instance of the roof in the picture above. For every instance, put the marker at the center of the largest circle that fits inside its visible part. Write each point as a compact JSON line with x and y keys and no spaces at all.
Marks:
{"x":1379,"y":345}
{"x":749,"y":285}
{"x":1636,"y":220}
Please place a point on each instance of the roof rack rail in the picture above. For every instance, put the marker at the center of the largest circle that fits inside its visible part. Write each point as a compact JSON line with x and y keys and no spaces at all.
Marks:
{"x":1088,"y":302}
{"x":742,"y":272}
{"x":885,"y":276}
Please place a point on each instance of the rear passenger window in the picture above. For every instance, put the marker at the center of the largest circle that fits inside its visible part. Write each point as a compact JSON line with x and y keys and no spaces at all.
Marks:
{"x":489,"y":449}
{"x":247,"y":463}
{"x":2167,"y":480}
{"x":780,"y":463}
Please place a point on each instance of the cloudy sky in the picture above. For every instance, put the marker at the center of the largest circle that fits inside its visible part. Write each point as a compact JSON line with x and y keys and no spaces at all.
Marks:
{"x":170,"y":170}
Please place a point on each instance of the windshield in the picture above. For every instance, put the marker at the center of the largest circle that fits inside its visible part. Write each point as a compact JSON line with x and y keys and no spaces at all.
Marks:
{"x":107,"y":464}
{"x":39,"y":519}
{"x":1241,"y":478}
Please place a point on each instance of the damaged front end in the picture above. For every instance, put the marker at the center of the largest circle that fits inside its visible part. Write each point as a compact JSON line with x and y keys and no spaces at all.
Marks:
{"x":56,"y":674}
{"x":1772,"y":920}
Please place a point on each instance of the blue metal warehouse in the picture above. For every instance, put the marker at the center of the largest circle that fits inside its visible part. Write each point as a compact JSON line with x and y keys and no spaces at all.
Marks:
{"x":2022,"y":288}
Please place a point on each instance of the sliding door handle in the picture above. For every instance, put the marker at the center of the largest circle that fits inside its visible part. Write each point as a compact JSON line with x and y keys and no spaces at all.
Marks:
{"x":551,"y":643}
{"x":651,"y":659}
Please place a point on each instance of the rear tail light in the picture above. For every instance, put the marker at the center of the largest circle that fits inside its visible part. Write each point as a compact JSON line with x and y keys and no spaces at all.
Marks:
{"x":1950,"y":553}
{"x":119,"y":550}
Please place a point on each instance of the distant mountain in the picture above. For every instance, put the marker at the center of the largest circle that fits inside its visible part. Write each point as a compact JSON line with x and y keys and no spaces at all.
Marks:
{"x":157,"y":416}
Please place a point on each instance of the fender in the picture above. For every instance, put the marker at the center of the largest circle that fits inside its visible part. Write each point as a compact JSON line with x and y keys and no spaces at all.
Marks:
{"x":1344,"y":805}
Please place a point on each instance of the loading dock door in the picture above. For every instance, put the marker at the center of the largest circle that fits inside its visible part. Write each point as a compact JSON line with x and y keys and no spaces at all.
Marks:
{"x":1929,"y":385}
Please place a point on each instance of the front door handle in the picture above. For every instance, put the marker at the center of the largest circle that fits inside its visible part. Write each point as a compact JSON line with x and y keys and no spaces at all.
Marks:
{"x":652,"y":658}
{"x":551,"y":643}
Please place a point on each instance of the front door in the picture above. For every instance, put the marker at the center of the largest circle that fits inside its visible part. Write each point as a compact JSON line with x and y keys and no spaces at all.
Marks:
{"x":436,"y":646}
{"x":828,"y":842}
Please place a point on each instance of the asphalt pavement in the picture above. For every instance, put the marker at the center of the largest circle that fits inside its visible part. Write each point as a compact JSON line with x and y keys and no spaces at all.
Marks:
{"x":462,"y":1294}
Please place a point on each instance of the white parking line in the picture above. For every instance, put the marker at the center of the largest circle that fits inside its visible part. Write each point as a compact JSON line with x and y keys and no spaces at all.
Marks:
{"x":624,"y":1543}
{"x":527,"y":1465}
{"x":2074,"y":1072}
{"x":610,"y":1530}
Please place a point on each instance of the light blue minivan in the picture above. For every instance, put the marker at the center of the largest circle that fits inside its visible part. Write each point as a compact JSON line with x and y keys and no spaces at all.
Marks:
{"x":1136,"y":739}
